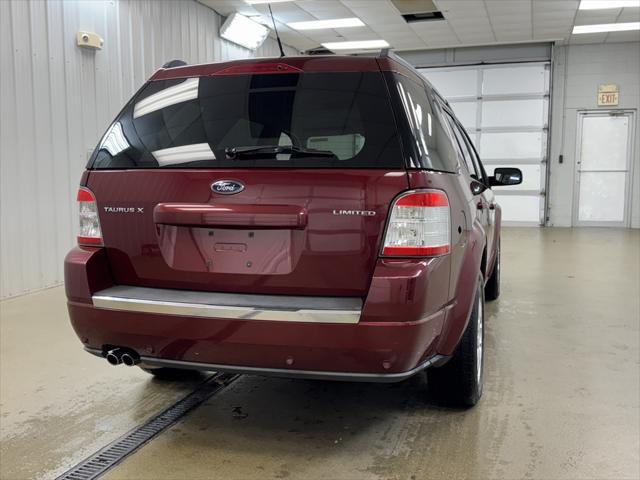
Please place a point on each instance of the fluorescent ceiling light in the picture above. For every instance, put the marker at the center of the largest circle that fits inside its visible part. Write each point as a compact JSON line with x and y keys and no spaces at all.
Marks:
{"x":356,"y":45}
{"x":335,"y":23}
{"x":183,"y":92}
{"x":243,"y":31}
{"x":606,"y":27}
{"x":604,"y":4}
{"x":258,"y":2}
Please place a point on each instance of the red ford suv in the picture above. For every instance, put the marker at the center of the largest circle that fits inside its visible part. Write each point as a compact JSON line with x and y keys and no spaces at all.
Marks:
{"x":320,"y":217}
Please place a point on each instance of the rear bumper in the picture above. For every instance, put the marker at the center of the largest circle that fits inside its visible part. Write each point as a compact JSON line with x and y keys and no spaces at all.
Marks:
{"x":366,"y":350}
{"x":391,"y":335}
{"x":153,"y":362}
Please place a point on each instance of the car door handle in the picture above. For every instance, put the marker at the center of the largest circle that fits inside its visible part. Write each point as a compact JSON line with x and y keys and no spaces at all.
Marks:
{"x":492,"y":206}
{"x":479,"y":205}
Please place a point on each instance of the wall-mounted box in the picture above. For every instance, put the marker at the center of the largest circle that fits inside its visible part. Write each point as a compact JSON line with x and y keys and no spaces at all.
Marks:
{"x":89,"y":40}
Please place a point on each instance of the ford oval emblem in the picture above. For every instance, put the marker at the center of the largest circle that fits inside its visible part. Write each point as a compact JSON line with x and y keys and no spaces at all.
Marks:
{"x":227,"y":187}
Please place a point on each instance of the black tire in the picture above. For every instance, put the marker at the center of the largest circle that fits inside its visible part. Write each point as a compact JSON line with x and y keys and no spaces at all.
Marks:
{"x":458,"y":383}
{"x":492,"y":288}
{"x":174,"y":374}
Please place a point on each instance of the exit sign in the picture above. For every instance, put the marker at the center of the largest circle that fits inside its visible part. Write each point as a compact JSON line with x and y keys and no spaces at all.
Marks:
{"x":608,"y":95}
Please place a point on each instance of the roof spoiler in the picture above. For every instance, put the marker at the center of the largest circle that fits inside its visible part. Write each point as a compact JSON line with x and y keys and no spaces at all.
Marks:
{"x":174,"y":63}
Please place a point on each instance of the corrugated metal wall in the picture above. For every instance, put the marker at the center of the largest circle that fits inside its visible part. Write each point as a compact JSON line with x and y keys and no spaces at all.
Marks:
{"x":56,"y":100}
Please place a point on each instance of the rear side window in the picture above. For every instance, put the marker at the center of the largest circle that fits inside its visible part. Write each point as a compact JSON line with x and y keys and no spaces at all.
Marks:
{"x":311,"y":120}
{"x":428,"y":141}
{"x":465,"y":150}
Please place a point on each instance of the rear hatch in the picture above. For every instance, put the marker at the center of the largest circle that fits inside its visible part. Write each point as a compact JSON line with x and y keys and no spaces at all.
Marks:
{"x":254,"y":182}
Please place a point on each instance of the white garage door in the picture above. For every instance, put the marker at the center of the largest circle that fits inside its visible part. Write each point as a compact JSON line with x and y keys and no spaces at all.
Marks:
{"x":505,"y":109}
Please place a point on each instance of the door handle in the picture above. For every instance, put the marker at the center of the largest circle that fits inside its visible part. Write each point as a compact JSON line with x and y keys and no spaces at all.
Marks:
{"x":479,"y":205}
{"x":492,"y":206}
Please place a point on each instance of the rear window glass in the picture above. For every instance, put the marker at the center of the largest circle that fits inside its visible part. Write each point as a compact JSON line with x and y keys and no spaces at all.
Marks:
{"x":309,"y":120}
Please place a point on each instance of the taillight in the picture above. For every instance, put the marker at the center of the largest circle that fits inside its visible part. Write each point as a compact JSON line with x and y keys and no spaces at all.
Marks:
{"x":90,"y":232}
{"x":419,"y":225}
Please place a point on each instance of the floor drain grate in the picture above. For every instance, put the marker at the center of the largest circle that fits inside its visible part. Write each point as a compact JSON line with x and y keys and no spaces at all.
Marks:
{"x":109,"y":456}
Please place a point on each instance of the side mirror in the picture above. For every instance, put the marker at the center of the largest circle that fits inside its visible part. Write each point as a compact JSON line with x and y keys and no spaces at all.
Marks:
{"x":505,"y":176}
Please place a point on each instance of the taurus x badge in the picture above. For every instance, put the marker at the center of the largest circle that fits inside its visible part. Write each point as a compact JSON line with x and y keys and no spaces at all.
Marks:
{"x":227,"y":187}
{"x":124,"y":209}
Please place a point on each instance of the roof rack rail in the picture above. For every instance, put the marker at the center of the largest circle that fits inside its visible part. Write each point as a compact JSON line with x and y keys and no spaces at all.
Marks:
{"x":174,"y":63}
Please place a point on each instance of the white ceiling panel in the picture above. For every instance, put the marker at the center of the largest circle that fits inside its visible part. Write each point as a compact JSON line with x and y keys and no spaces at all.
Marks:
{"x":466,"y":22}
{"x":629,"y":15}
{"x":357,"y":3}
{"x":588,"y":38}
{"x":385,"y":27}
{"x":478,"y":39}
{"x":549,"y":34}
{"x":327,"y":36}
{"x":461,"y":6}
{"x":357,"y":33}
{"x":402,"y":37}
{"x":555,"y":5}
{"x":477,"y":23}
{"x":552,"y":21}
{"x":408,"y":44}
{"x":326,"y":9}
{"x":623,"y":37}
{"x":426,"y":28}
{"x":590,"y":17}
{"x":541,"y":20}
{"x":500,"y":7}
{"x":513,"y":34}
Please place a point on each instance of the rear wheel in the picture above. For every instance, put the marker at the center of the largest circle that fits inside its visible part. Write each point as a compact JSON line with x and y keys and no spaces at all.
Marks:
{"x":459,"y":381}
{"x":492,"y":288}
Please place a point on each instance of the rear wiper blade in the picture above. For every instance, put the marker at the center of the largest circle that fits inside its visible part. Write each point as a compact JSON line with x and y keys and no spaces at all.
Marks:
{"x":245,"y":152}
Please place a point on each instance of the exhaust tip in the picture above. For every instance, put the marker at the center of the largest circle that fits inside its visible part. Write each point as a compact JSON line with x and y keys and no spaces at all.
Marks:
{"x":130,"y":359}
{"x":113,"y":358}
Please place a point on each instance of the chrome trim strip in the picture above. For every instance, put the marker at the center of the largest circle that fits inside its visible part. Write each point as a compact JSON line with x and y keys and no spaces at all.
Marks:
{"x":436,"y":360}
{"x":276,"y":308}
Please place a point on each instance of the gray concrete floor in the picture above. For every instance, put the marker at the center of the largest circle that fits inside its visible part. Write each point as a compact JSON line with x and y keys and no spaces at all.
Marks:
{"x":561,"y":400}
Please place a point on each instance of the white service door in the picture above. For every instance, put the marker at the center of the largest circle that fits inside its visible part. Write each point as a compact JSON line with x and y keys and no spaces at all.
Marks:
{"x":602,"y":166}
{"x":505,"y":110}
